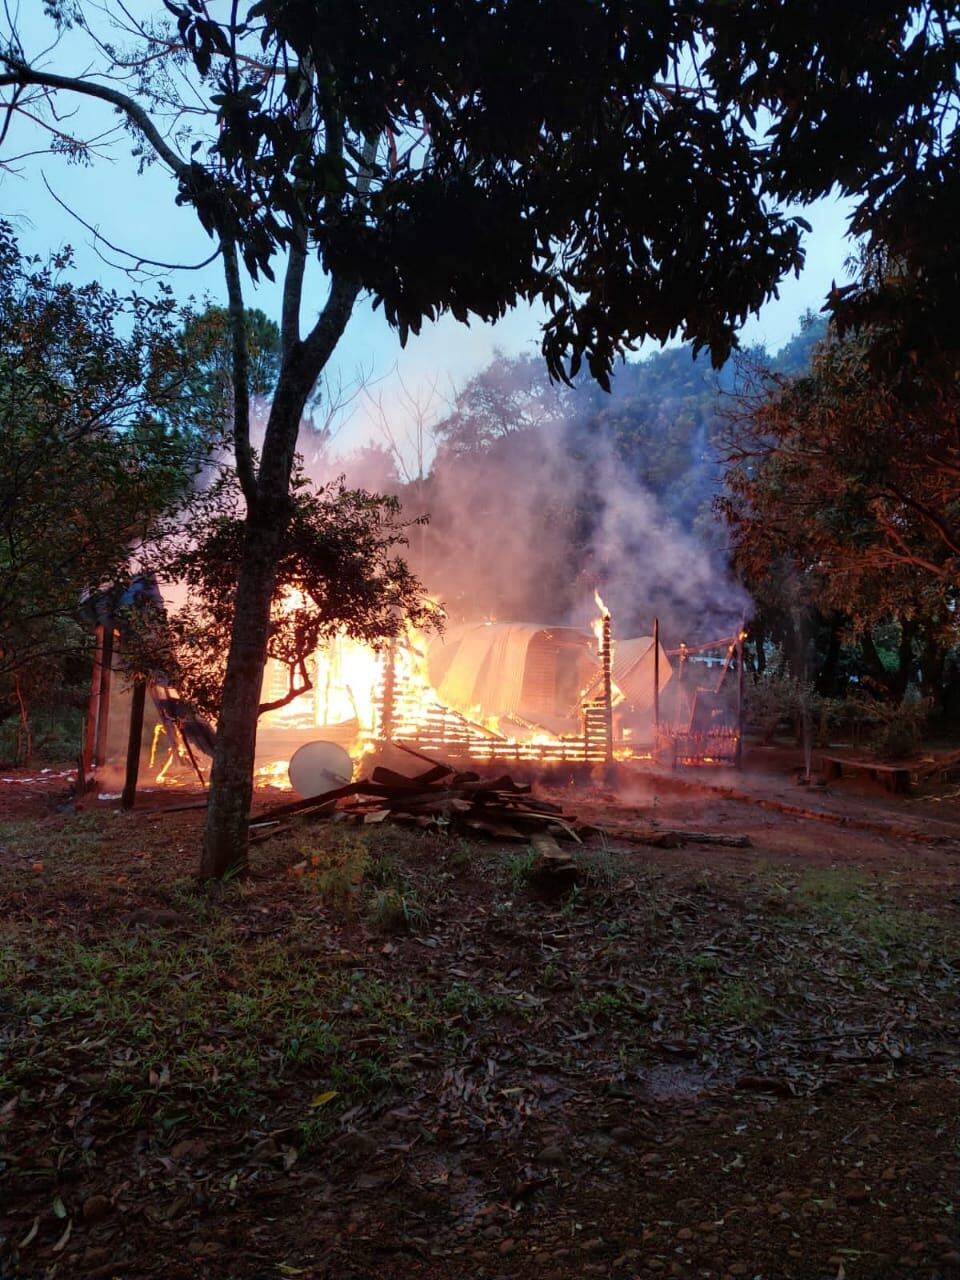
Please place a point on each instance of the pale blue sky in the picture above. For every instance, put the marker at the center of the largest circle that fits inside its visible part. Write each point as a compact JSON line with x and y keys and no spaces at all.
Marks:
{"x":138,"y":212}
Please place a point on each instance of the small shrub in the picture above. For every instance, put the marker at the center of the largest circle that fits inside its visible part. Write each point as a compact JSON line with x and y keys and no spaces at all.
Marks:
{"x":601,"y":869}
{"x":461,"y":854}
{"x":391,"y":911}
{"x":383,"y":872}
{"x":520,"y":868}
{"x":740,"y":1002}
{"x":337,"y":873}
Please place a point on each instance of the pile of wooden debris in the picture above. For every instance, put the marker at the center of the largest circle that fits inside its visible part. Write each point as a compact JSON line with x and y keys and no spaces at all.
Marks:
{"x":440,"y":798}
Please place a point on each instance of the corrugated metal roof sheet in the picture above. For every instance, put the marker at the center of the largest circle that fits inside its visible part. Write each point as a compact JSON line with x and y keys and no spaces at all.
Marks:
{"x":481,"y":666}
{"x":633,"y":669}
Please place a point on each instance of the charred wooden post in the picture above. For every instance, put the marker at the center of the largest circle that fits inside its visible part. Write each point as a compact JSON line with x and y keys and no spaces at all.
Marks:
{"x":103,"y":698}
{"x":738,"y":757}
{"x":134,"y":743}
{"x":606,"y":659}
{"x":93,"y":707}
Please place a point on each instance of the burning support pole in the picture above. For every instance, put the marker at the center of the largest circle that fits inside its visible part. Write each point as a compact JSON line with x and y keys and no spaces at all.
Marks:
{"x":738,"y":759}
{"x":679,"y":710}
{"x":606,"y":658}
{"x":103,"y":697}
{"x":389,"y":691}
{"x":656,"y":682}
{"x":93,"y":706}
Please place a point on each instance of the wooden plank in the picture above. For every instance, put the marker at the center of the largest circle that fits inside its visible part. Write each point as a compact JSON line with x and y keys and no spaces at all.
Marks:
{"x":894,"y":777}
{"x":499,"y":830}
{"x":506,"y":783}
{"x":389,"y":778}
{"x":544,"y":843}
{"x":715,"y":837}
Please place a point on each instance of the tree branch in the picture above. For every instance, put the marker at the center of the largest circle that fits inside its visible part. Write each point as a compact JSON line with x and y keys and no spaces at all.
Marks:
{"x":139,"y":260}
{"x":297,"y":262}
{"x":20,"y":75}
{"x":240,"y":353}
{"x":292,"y":692}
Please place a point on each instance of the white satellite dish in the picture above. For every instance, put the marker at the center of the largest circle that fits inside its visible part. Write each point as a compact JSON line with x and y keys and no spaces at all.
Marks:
{"x":317,"y":767}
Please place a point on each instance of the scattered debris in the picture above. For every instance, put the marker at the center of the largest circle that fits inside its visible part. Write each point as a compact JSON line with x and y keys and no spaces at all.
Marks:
{"x":440,"y":798}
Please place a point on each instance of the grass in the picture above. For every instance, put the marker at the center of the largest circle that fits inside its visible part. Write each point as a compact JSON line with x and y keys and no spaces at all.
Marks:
{"x":616,"y":1004}
{"x":602,"y":869}
{"x":212,"y":1018}
{"x":876,"y":937}
{"x":268,"y":993}
{"x":519,"y":868}
{"x":273,"y":1020}
{"x":739,"y":1001}
{"x":391,"y":911}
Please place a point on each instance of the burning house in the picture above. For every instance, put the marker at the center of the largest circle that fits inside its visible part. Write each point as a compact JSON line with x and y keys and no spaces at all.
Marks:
{"x":480,"y":693}
{"x":483,"y":691}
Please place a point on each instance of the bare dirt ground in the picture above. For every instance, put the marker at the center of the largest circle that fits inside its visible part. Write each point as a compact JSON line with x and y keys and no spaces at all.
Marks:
{"x":391,"y":1054}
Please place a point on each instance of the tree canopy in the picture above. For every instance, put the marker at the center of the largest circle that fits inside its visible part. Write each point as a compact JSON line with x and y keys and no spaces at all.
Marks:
{"x":338,"y":571}
{"x":97,"y":440}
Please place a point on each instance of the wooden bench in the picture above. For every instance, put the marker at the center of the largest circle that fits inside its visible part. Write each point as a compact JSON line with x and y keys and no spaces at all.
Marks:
{"x":895,"y":777}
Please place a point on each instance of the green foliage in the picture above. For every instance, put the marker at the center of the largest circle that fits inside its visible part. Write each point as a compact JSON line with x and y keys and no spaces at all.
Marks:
{"x":393,"y":911}
{"x":519,"y":868}
{"x":510,"y":395}
{"x":776,"y":696}
{"x":98,"y":441}
{"x":896,"y":729}
{"x":855,"y":520}
{"x":55,"y":731}
{"x":336,"y":573}
{"x":844,"y":505}
{"x":208,"y":335}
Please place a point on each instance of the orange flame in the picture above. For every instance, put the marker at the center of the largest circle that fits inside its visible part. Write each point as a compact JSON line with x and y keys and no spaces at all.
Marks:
{"x":361,"y":696}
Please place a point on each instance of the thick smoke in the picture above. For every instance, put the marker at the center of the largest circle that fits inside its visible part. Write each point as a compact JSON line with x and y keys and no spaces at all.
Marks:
{"x":536,"y":496}
{"x":651,"y":563}
{"x":613,"y":493}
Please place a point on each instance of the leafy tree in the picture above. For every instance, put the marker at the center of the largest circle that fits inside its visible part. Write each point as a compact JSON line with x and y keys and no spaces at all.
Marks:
{"x":509,"y":395}
{"x":97,"y":440}
{"x":619,"y":179}
{"x":336,"y":571}
{"x":212,"y":378}
{"x":845,"y":499}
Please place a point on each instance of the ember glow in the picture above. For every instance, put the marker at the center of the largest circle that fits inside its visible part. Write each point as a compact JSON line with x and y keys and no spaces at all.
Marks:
{"x":363,"y":698}
{"x":483,"y":693}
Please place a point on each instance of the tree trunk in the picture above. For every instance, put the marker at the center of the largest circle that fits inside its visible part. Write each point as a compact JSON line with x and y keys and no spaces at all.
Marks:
{"x":933,"y":656}
{"x":825,"y":682}
{"x":24,"y":732}
{"x":904,"y":659}
{"x":759,"y":635}
{"x":873,"y":663}
{"x":231,"y":779}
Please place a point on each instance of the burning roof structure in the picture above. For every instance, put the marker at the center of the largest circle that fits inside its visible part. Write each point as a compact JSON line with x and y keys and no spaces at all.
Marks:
{"x":528,"y":676}
{"x":480,"y":693}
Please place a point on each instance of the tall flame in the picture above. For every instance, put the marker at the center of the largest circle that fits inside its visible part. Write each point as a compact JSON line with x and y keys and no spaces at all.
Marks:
{"x":361,"y":696}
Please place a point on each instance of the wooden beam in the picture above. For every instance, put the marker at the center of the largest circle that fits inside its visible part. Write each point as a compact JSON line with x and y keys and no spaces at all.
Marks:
{"x":134,"y":743}
{"x":93,"y":707}
{"x":103,"y":701}
{"x":656,"y":680}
